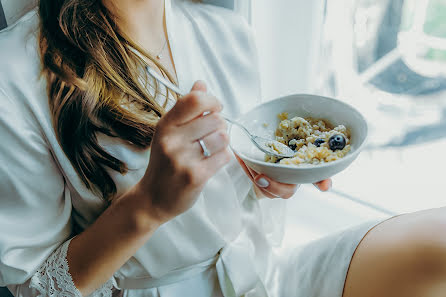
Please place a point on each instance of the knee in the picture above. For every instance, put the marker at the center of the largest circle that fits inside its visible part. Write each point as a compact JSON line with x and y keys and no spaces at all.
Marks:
{"x":405,"y":256}
{"x":423,"y":253}
{"x":424,"y":241}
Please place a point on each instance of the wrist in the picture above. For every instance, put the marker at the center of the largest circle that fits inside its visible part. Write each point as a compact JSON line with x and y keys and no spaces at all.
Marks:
{"x":143,"y":218}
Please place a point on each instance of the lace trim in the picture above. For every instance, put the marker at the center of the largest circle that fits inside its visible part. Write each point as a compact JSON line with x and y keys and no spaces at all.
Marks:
{"x":53,"y":279}
{"x":106,"y":290}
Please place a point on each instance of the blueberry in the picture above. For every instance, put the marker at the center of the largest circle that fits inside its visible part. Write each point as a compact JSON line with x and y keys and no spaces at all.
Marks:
{"x":293,"y":146}
{"x":337,"y":142}
{"x":318,"y":142}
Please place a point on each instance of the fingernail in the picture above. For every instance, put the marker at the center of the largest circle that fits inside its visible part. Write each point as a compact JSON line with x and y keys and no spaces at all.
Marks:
{"x":262,"y":183}
{"x":330,"y":186}
{"x":319,"y":187}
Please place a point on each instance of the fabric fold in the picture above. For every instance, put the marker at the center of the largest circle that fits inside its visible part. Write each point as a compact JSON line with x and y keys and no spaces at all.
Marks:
{"x":236,"y":273}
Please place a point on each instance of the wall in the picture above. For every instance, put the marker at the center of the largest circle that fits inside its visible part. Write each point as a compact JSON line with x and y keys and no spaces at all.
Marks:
{"x":288,"y":34}
{"x":14,"y":9}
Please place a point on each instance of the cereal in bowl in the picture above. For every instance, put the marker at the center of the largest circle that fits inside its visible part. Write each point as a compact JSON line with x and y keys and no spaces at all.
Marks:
{"x":315,"y":141}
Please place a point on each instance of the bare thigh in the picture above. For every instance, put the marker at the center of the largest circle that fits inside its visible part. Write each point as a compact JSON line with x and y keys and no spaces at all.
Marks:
{"x":402,"y":257}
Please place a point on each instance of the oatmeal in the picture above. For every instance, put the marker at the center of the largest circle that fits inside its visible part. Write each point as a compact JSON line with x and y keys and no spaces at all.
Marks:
{"x":314,"y":141}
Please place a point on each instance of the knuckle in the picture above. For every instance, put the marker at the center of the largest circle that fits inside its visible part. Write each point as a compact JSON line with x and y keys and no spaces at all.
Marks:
{"x":216,"y":103}
{"x":213,"y":117}
{"x":219,"y":122}
{"x":224,"y":137}
{"x":161,"y":125}
{"x":164,"y":145}
{"x":194,"y":99}
{"x":165,"y":126}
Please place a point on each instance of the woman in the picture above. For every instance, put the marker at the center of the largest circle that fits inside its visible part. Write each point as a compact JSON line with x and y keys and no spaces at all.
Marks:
{"x":87,"y":209}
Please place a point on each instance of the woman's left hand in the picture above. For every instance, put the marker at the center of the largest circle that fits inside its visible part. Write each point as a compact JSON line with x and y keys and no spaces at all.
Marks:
{"x":264,"y":186}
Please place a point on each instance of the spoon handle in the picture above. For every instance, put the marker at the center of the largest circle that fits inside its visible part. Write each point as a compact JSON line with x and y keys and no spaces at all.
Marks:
{"x":177,"y":90}
{"x":164,"y":81}
{"x":237,"y":124}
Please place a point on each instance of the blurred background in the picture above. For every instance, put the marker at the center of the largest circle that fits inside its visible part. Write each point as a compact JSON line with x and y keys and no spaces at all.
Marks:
{"x":388,"y":59}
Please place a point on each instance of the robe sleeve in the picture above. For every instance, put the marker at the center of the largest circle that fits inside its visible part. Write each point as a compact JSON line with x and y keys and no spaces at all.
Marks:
{"x":35,"y":210}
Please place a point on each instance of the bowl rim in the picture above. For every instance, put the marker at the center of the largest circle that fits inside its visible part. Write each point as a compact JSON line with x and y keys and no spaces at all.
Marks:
{"x":350,"y":156}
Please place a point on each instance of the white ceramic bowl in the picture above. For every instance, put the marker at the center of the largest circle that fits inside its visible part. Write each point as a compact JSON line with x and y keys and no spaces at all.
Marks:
{"x":332,"y":110}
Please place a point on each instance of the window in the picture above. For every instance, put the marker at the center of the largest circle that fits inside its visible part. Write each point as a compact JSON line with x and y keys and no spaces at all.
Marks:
{"x":388,"y":59}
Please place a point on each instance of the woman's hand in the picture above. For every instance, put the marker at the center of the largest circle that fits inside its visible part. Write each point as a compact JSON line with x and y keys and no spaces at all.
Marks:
{"x":178,"y":170}
{"x":264,"y":186}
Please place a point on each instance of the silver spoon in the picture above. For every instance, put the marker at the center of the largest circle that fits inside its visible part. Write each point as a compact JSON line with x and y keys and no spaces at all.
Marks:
{"x":263,"y":144}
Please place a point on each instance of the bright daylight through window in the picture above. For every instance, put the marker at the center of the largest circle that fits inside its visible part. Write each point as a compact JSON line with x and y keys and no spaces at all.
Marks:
{"x":388,"y":58}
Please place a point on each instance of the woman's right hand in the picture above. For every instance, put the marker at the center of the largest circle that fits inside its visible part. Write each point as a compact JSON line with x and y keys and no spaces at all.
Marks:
{"x":178,"y":170}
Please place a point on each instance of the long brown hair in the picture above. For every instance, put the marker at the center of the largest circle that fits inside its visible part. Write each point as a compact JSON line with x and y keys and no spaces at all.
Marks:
{"x":96,"y":84}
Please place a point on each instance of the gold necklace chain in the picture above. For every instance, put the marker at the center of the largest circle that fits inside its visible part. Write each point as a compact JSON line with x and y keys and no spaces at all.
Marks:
{"x":160,"y":54}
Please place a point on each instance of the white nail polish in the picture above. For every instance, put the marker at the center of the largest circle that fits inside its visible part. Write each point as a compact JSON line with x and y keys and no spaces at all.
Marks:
{"x":262,"y":183}
{"x":330,"y":187}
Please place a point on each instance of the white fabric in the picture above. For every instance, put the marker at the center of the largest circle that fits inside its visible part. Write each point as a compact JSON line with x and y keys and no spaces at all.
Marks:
{"x":53,"y":277}
{"x":42,"y":198}
{"x":236,"y":274}
{"x":38,"y":183}
{"x":320,"y":268}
